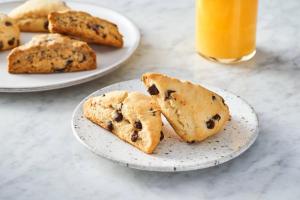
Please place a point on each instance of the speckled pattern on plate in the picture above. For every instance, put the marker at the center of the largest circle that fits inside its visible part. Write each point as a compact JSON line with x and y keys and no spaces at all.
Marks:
{"x":172,"y":154}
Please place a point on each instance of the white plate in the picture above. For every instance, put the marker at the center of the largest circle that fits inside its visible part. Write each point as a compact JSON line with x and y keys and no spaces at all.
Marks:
{"x":171,"y":154}
{"x":108,"y":59}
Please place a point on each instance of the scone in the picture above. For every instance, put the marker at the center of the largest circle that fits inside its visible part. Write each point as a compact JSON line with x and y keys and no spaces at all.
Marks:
{"x":194,"y":112}
{"x":132,"y":116}
{"x":85,"y":27}
{"x":9,"y":33}
{"x":32,"y":16}
{"x":49,"y":53}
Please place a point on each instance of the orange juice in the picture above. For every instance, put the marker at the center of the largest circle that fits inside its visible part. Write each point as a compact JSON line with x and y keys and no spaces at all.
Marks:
{"x":226,"y":29}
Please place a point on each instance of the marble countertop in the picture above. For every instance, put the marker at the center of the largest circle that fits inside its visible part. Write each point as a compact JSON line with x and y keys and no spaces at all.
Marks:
{"x":41,"y":159}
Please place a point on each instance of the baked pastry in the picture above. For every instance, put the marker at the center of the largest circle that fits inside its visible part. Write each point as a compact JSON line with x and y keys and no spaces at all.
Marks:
{"x":49,"y":53}
{"x":32,"y":16}
{"x":132,"y":116}
{"x":194,"y":112}
{"x":85,"y":27}
{"x":9,"y":33}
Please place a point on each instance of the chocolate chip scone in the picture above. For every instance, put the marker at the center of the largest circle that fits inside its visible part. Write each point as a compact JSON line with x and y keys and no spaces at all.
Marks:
{"x":132,"y":116}
{"x":50,"y":53}
{"x":85,"y":27}
{"x":194,"y":112}
{"x":32,"y":16}
{"x":9,"y":33}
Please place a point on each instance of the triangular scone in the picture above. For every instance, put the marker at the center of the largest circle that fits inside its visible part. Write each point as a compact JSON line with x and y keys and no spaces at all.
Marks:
{"x":49,"y":53}
{"x":132,"y":116}
{"x":85,"y":27}
{"x":32,"y":16}
{"x":193,"y":111}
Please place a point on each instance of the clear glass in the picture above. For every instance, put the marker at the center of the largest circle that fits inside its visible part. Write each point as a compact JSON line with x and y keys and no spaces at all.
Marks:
{"x":226,"y":29}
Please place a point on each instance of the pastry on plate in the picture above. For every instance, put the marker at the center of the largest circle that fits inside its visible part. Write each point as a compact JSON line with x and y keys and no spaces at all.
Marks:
{"x":194,"y":112}
{"x":48,"y":53}
{"x":9,"y":33}
{"x":85,"y":27}
{"x":132,"y":116}
{"x":32,"y":16}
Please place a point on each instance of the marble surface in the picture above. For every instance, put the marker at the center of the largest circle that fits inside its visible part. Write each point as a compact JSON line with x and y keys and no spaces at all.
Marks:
{"x":41,"y":159}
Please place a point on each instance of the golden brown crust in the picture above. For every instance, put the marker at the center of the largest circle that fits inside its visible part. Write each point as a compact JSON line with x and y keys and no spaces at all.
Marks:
{"x":132,"y":116}
{"x":193,"y":111}
{"x":50,"y":53}
{"x":85,"y":27}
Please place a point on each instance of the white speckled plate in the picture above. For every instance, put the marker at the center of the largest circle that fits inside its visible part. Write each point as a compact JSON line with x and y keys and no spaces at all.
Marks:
{"x":108,"y":59}
{"x":171,"y":154}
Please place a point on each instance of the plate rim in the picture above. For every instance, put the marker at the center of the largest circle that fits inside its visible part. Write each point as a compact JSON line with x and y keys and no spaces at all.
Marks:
{"x":88,"y":77}
{"x":208,"y":164}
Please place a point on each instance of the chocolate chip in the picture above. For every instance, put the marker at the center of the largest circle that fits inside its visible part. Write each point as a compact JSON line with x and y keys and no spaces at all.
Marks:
{"x":1,"y":45}
{"x":59,"y":70}
{"x":46,"y":25}
{"x":110,"y":126}
{"x":118,"y":117}
{"x":18,"y":42}
{"x":216,"y":117}
{"x":104,"y":36}
{"x":134,"y":136}
{"x":68,"y":62}
{"x":7,"y":23}
{"x":168,"y":94}
{"x":153,"y":90}
{"x":103,"y":95}
{"x":153,"y":113}
{"x":94,"y":27}
{"x":210,"y":124}
{"x":138,"y":125}
{"x":213,"y":97}
{"x":11,"y":41}
{"x":161,"y":136}
{"x":191,"y":142}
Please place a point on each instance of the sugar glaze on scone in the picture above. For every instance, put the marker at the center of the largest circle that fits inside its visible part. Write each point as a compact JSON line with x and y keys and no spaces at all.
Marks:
{"x":85,"y":27}
{"x":194,"y":112}
{"x":32,"y":16}
{"x":50,"y":53}
{"x":132,"y":116}
{"x":9,"y":33}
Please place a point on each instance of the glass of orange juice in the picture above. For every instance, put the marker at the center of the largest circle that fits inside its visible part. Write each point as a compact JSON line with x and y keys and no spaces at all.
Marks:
{"x":226,"y":29}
